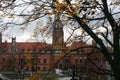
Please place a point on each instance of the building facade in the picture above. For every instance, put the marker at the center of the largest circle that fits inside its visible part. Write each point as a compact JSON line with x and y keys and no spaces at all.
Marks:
{"x":39,"y":56}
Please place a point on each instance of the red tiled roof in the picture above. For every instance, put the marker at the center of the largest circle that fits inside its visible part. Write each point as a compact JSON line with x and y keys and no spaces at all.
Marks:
{"x":79,"y":45}
{"x":30,"y":46}
{"x":25,"y":46}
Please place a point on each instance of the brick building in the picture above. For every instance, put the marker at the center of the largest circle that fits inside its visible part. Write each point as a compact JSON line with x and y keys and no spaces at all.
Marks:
{"x":40,"y":56}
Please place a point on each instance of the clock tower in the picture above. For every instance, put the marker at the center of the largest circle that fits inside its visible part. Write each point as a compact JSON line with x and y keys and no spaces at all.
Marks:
{"x":58,"y":34}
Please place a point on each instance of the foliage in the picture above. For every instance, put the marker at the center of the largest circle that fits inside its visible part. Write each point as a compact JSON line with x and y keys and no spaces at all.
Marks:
{"x":82,"y":19}
{"x":28,"y":58}
{"x":41,"y":76}
{"x":9,"y":64}
{"x":36,"y":76}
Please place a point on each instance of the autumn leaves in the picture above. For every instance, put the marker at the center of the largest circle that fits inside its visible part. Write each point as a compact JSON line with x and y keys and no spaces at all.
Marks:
{"x":77,"y":8}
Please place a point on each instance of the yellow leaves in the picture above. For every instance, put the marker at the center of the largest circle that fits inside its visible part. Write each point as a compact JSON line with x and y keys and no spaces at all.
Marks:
{"x":0,"y":5}
{"x":5,"y":27}
{"x":70,"y":9}
{"x":36,"y":76}
{"x":74,"y":13}
{"x":95,"y":3}
{"x":84,"y":9}
{"x":115,"y":3}
{"x":63,"y":16}
{"x":92,"y":11}
{"x":52,"y":12}
{"x":60,"y":6}
{"x":62,"y":54}
{"x":86,"y":3}
{"x":28,"y":57}
{"x":44,"y":8}
{"x":84,"y":20}
{"x":11,"y":16}
{"x":74,"y":5}
{"x":57,"y":22}
{"x":36,"y":16}
{"x":44,"y":28}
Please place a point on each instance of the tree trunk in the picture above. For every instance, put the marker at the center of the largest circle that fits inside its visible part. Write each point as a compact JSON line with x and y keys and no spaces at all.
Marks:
{"x":116,"y":51}
{"x":116,"y":72}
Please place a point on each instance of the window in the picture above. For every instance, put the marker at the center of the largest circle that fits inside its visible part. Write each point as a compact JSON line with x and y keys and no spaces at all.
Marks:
{"x":80,"y":60}
{"x":38,"y":60}
{"x":38,"y":68}
{"x":15,"y":59}
{"x":60,"y":66}
{"x":44,"y":68}
{"x":23,"y":50}
{"x":22,"y":61}
{"x":3,"y":58}
{"x":45,"y":61}
{"x":67,"y":61}
{"x":27,"y":68}
{"x":33,"y":60}
{"x":76,"y":60}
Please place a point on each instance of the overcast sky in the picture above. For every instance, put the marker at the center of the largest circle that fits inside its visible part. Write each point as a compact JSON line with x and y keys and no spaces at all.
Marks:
{"x":23,"y":35}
